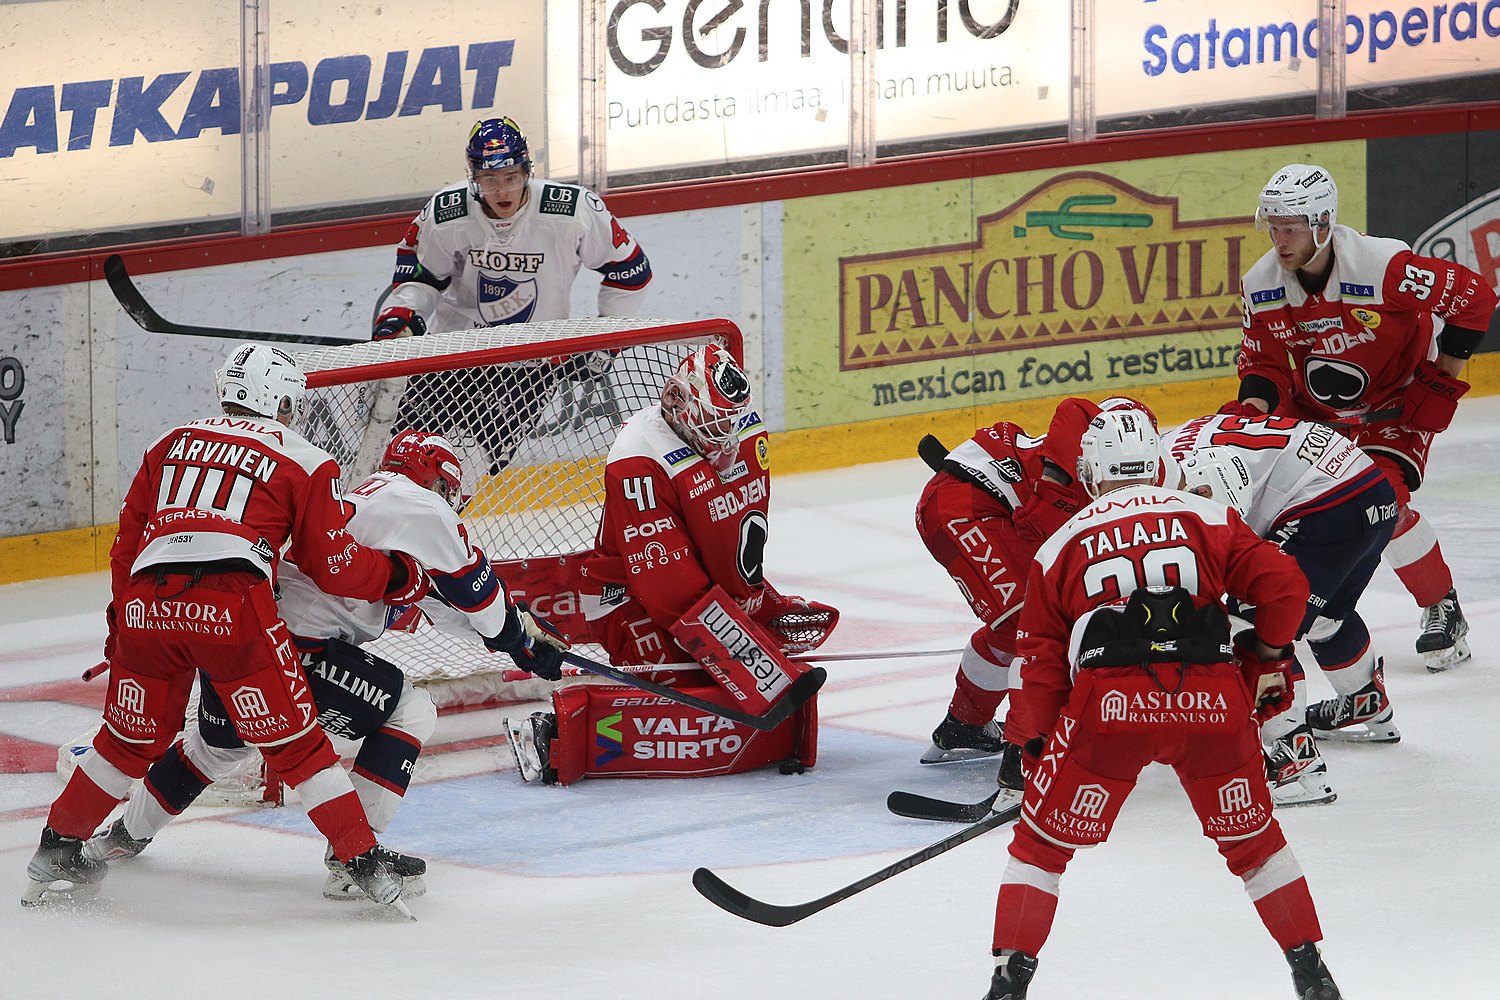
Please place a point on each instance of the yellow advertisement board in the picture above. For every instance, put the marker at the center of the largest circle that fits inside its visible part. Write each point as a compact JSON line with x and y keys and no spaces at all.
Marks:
{"x":970,"y":293}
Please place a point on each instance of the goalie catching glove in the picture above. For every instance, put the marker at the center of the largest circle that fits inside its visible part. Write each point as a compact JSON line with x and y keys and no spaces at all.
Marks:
{"x":799,"y":625}
{"x":1269,"y":679}
{"x":532,"y":641}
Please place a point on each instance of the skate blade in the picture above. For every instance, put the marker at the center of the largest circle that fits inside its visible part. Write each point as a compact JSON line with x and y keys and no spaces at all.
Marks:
{"x":1358,"y":734}
{"x":398,"y":907}
{"x":937,"y":755}
{"x":341,"y":889}
{"x":1439,"y":660}
{"x":528,"y":764}
{"x":49,"y":894}
{"x":1008,"y":797}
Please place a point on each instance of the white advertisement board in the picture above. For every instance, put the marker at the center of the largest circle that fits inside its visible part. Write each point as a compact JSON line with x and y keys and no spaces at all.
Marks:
{"x":131,"y":117}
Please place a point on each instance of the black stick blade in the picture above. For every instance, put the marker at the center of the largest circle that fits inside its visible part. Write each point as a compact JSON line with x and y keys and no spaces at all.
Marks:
{"x":914,"y":806}
{"x":729,"y":899}
{"x":932,"y":451}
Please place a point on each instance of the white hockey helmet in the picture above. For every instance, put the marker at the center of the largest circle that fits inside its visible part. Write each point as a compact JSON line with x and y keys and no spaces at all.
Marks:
{"x":1222,"y":473}
{"x":703,"y":402}
{"x":1118,"y":446}
{"x":261,"y":379}
{"x":1301,"y":191}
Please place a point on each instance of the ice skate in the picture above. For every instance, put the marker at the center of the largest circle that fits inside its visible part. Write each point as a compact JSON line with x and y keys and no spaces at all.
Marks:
{"x":59,"y":871}
{"x":374,"y":873}
{"x":341,"y":885}
{"x":1443,"y":643}
{"x":1362,"y":717}
{"x":1310,"y":976}
{"x":1012,"y":977}
{"x":953,"y":741}
{"x":530,"y":742}
{"x":114,"y":844}
{"x":1296,"y":770}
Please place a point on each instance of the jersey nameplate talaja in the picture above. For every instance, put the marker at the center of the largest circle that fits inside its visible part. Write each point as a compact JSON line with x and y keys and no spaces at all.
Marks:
{"x":558,"y":200}
{"x":450,"y":205}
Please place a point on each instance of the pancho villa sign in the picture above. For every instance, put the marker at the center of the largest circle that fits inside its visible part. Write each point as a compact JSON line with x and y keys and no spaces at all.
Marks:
{"x":1083,"y":257}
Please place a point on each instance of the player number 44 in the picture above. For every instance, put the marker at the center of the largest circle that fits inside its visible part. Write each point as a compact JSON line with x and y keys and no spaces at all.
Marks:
{"x":1418,"y":281}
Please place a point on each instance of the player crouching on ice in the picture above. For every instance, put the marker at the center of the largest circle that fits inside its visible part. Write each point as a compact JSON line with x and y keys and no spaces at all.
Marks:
{"x":676,"y":582}
{"x":410,"y":505}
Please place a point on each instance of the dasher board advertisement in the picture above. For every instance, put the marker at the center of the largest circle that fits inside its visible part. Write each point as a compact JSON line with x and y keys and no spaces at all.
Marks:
{"x":133,"y":119}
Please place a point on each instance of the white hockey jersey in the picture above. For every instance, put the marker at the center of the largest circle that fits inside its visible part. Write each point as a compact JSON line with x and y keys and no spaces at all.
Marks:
{"x":459,"y":268}
{"x":392,"y":512}
{"x":1295,"y":466}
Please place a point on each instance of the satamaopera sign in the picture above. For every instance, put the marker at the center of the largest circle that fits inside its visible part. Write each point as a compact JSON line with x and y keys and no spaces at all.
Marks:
{"x":136,"y":119}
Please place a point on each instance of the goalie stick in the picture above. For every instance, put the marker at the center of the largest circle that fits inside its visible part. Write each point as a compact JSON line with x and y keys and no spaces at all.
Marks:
{"x":732,"y":900}
{"x":138,"y":309}
{"x":801,"y":690}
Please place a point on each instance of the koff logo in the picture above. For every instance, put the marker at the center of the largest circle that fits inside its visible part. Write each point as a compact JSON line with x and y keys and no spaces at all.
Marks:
{"x":1235,"y":796}
{"x":250,"y":703}
{"x":131,"y":697}
{"x":1089,"y":801}
{"x":135,"y":613}
{"x":1113,"y":707}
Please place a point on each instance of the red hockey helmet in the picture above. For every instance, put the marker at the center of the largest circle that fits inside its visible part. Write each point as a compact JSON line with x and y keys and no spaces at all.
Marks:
{"x":427,"y":460}
{"x":703,"y":402}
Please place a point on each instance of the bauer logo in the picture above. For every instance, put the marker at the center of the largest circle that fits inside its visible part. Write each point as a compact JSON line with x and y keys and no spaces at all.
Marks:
{"x":1083,"y":257}
{"x":558,"y":200}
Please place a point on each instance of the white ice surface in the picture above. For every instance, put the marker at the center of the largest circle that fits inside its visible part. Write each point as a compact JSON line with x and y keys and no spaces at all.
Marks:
{"x":584,"y":892}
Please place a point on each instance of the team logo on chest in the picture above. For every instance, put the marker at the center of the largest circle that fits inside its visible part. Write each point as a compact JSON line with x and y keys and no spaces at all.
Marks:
{"x":502,"y":300}
{"x":1338,"y":385}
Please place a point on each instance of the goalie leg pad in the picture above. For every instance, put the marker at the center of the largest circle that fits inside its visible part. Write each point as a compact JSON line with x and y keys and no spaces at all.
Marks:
{"x":741,"y":656}
{"x":609,"y":730}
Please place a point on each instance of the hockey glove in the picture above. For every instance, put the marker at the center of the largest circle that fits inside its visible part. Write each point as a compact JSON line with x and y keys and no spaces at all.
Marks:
{"x":1269,"y":679}
{"x":1240,"y":408}
{"x":1047,"y":509}
{"x":1431,"y":399}
{"x":531,"y":641}
{"x":798,"y":624}
{"x":408,"y":584}
{"x":398,"y":321}
{"x":1064,"y":434}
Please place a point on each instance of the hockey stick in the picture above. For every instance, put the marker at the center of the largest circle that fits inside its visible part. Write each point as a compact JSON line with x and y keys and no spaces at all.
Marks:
{"x":914,"y":806}
{"x":933,"y":452}
{"x":727,"y":897}
{"x":138,"y":309}
{"x":802,"y":688}
{"x":890,"y":655}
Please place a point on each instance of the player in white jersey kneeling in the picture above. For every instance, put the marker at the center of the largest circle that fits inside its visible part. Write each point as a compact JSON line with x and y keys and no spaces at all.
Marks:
{"x":1327,"y":504}
{"x":410,"y":505}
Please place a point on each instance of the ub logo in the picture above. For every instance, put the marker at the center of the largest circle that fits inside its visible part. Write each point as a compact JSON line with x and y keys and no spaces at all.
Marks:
{"x":1089,"y":801}
{"x":1235,"y":796}
{"x":1114,"y":707}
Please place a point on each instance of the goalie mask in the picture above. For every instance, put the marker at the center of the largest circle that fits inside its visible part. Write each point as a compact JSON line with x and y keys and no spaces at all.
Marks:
{"x":1119,"y":446}
{"x":1301,"y":191}
{"x":703,"y":402}
{"x":1222,"y":474}
{"x":263,"y":380}
{"x":427,"y":460}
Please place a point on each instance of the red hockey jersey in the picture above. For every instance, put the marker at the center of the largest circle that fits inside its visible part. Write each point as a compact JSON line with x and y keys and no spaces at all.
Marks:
{"x":668,"y":512}
{"x":1136,"y":537}
{"x":1354,"y":346}
{"x":243,"y":488}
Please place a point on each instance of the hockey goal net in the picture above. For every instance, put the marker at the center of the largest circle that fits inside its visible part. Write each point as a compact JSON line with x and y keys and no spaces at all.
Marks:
{"x":532,"y":410}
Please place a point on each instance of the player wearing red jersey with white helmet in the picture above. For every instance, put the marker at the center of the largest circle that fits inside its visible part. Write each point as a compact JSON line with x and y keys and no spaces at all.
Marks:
{"x":504,"y":247}
{"x":676,"y":578}
{"x":1126,"y":659}
{"x":992,"y":501}
{"x":202,"y":532}
{"x":1318,"y":496}
{"x":1377,"y":337}
{"x":411,"y":506}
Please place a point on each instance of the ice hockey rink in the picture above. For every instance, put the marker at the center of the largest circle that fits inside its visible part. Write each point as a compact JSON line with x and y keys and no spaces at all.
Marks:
{"x":584,"y":891}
